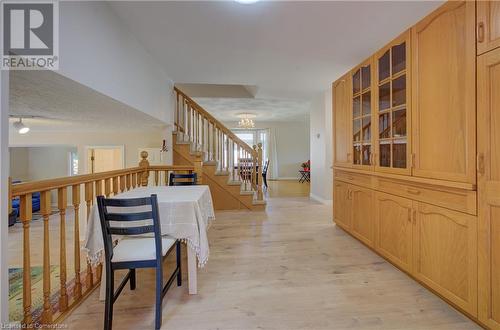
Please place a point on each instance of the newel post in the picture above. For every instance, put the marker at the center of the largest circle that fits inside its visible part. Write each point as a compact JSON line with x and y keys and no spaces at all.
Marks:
{"x":144,"y":164}
{"x":259,"y":185}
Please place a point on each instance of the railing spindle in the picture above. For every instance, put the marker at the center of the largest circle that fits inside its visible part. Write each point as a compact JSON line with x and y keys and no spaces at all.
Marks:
{"x":62,"y":202}
{"x":46,"y":210}
{"x":25,"y":205}
{"x":76,"y":206}
{"x":123,"y":183}
{"x":115,"y":185}
{"x":260,"y":162}
{"x":107,"y":187}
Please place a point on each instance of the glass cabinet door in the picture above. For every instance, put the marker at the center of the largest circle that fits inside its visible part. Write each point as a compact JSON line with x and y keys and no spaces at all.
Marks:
{"x":392,"y":104}
{"x":361,"y":116}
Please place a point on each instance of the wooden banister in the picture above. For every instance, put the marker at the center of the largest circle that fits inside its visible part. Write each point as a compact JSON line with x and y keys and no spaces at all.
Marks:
{"x":212,"y":119}
{"x":68,"y":219}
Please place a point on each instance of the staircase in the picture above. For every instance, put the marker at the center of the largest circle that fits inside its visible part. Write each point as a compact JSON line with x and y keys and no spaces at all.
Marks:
{"x":231,"y":168}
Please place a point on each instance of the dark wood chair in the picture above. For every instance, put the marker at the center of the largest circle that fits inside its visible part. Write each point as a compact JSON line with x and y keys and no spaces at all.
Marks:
{"x":264,"y":173}
{"x":136,"y":252}
{"x":176,"y":179}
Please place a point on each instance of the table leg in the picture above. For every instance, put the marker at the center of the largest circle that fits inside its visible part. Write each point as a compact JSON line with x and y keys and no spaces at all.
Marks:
{"x":192,"y":271}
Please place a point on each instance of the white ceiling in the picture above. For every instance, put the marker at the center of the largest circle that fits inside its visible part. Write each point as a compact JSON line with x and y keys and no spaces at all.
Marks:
{"x":287,"y":49}
{"x":60,"y":103}
{"x":227,"y":109}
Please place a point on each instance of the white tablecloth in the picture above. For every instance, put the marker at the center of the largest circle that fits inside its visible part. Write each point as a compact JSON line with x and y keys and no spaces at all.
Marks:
{"x":185,"y":213}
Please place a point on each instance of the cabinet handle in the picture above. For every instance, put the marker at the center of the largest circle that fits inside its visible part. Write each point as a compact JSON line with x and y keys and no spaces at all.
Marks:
{"x":480,"y":163}
{"x":413,"y":191}
{"x":480,"y":32}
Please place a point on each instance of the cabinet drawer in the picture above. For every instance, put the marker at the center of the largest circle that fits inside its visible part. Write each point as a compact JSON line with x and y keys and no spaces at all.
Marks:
{"x":455,"y":199}
{"x":354,"y":178}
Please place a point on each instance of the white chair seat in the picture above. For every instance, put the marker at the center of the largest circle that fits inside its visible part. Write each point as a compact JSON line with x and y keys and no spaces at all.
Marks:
{"x":143,"y":248}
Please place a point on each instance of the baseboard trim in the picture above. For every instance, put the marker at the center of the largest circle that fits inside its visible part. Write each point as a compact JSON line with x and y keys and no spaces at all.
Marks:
{"x":321,"y":200}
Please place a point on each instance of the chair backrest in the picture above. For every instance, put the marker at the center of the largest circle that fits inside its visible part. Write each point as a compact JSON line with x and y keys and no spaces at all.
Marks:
{"x":112,"y":221}
{"x":182,"y":179}
{"x":266,"y":166}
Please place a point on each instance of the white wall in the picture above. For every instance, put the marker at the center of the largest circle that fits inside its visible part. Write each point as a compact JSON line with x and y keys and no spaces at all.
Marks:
{"x":19,"y":164}
{"x":132,"y":141}
{"x":4,"y":207}
{"x":98,"y":51}
{"x":288,"y":150}
{"x":321,"y":147}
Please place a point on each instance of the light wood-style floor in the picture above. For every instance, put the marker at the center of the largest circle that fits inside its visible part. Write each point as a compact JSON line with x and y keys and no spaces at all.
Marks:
{"x":287,"y":268}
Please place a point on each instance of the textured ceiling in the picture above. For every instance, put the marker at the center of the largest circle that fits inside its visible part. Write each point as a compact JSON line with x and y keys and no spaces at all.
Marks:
{"x":227,"y":109}
{"x":287,"y":49}
{"x":60,"y":103}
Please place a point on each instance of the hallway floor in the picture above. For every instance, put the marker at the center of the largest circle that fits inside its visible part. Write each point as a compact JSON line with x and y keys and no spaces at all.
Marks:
{"x":287,"y":268}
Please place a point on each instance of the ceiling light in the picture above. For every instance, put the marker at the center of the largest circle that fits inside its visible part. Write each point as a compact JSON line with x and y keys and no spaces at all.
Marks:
{"x":246,"y":121}
{"x":21,"y":128}
{"x":247,"y":2}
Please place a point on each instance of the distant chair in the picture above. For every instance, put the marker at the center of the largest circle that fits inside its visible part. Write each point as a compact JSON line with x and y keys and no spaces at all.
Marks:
{"x":132,"y":253}
{"x":182,"y":179}
{"x":264,"y":173}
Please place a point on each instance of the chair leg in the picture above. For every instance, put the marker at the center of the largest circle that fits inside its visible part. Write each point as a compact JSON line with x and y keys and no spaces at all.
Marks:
{"x":132,"y":279}
{"x":108,"y":310}
{"x":159,"y":298}
{"x":178,"y":254}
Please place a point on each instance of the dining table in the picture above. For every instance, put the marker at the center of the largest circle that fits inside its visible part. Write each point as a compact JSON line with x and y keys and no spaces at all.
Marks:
{"x":186,"y":213}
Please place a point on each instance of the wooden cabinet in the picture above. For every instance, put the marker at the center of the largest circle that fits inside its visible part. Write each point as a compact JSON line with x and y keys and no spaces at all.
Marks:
{"x":341,"y":121}
{"x":445,"y":253}
{"x":488,"y":87}
{"x":488,"y":25}
{"x":443,"y":93}
{"x":361,"y":115}
{"x":342,"y":205}
{"x":392,"y":107}
{"x":362,"y":222}
{"x":393,"y":229}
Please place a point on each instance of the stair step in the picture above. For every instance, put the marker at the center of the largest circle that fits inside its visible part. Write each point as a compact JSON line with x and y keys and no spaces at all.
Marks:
{"x":221,"y":173}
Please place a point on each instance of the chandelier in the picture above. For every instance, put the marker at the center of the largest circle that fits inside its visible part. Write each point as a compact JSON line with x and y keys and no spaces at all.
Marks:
{"x":246,"y":120}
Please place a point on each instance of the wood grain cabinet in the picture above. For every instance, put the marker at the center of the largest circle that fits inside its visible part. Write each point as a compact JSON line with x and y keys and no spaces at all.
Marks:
{"x":393,"y":229}
{"x":488,"y":86}
{"x":445,"y":253}
{"x":392,"y":107}
{"x":342,"y":205}
{"x":488,"y":25}
{"x":342,"y":121}
{"x":362,"y":223}
{"x":443,"y":93}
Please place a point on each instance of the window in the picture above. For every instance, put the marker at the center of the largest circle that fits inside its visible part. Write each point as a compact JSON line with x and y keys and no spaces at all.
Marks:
{"x":73,"y":163}
{"x":253,"y":137}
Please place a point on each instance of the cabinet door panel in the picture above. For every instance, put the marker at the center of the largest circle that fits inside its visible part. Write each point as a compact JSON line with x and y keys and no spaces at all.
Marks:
{"x":445,"y":253}
{"x":392,"y":124}
{"x":488,"y":85}
{"x":443,"y":94}
{"x":394,"y":229}
{"x":488,"y":25}
{"x":341,"y":121}
{"x":362,"y":225}
{"x":342,"y":204}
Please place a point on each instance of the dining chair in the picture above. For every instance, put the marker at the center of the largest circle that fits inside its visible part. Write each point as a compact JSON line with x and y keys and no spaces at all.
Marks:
{"x":136,"y":251}
{"x":182,"y":179}
{"x":264,"y":173}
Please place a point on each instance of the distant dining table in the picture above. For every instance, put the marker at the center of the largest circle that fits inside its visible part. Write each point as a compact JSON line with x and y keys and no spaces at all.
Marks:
{"x":185,"y":213}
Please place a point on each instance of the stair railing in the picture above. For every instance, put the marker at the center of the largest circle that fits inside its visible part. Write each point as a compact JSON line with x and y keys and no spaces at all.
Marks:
{"x":66,"y":202}
{"x":218,"y":144}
